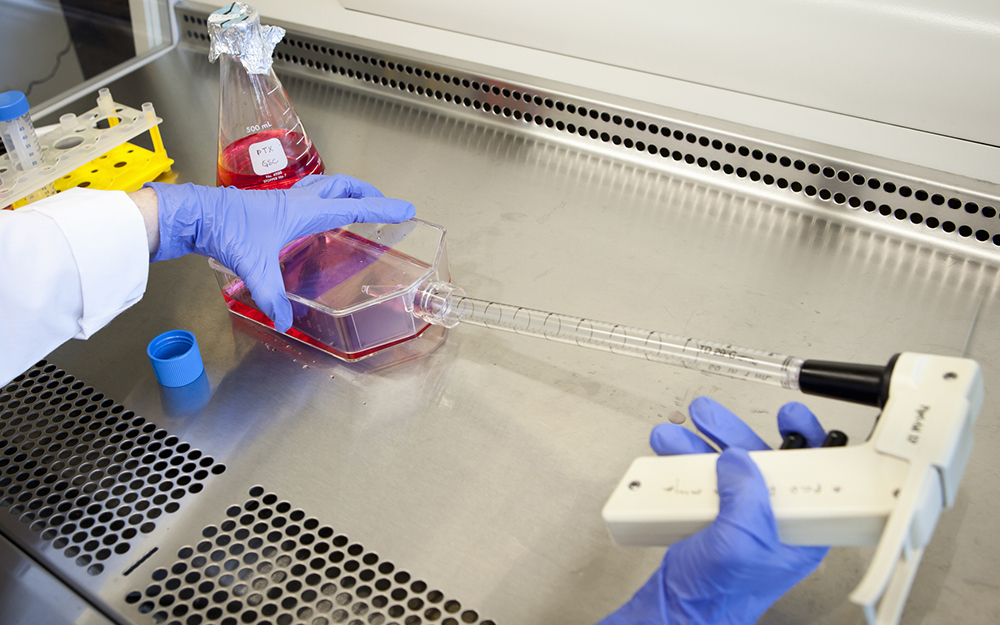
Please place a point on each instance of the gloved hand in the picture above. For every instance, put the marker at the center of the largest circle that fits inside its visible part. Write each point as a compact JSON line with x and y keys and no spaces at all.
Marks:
{"x":733,"y":570}
{"x":245,"y":230}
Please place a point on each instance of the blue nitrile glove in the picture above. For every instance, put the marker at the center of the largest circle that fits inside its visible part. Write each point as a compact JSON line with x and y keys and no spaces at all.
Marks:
{"x":245,"y":230}
{"x":734,"y":569}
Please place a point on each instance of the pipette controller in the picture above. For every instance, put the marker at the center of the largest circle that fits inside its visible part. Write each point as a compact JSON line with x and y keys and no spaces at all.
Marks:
{"x":887,"y":491}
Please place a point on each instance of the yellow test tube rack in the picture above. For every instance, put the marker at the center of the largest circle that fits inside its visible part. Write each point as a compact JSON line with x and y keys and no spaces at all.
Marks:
{"x":92,"y":150}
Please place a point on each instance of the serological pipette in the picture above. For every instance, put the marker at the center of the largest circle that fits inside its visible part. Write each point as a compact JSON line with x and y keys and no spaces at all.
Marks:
{"x":442,"y":303}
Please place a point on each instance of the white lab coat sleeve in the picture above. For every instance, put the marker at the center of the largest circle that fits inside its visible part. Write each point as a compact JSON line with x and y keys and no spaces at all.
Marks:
{"x":68,"y":265}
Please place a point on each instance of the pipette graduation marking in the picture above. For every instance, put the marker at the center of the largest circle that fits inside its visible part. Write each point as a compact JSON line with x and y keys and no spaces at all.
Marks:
{"x":444,"y":304}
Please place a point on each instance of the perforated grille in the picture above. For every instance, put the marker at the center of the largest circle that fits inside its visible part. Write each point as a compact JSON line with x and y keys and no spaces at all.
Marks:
{"x":270,"y":564}
{"x":910,"y":204}
{"x":84,"y":473}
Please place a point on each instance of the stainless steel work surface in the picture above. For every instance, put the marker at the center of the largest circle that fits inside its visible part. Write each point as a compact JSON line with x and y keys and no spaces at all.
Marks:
{"x":479,"y":461}
{"x":31,"y":595}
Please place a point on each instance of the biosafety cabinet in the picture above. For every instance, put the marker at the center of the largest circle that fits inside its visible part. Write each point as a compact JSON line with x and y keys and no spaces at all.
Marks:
{"x":817,"y":179}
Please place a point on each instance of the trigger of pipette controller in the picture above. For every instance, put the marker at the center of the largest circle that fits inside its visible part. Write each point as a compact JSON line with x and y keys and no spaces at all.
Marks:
{"x":887,"y":491}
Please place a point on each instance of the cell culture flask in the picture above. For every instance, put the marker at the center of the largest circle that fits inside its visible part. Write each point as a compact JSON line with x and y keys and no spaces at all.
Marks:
{"x":262,"y":143}
{"x":352,"y":289}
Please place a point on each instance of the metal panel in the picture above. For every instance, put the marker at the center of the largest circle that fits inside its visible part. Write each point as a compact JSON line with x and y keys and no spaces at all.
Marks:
{"x":878,"y":193}
{"x":29,"y":595}
{"x":900,"y":63}
{"x":85,"y":477}
{"x":265,"y":561}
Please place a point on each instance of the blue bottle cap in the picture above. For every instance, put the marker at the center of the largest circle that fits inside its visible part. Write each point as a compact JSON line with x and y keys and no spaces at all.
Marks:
{"x":13,"y":104}
{"x":175,"y":358}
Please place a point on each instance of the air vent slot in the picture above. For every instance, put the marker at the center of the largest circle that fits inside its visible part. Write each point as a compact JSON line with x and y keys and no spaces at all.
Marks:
{"x":911,"y":205}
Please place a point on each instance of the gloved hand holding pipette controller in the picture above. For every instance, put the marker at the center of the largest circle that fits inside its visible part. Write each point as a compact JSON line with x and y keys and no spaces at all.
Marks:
{"x":736,"y":568}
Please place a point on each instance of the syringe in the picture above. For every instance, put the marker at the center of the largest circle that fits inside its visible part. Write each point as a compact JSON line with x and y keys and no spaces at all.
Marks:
{"x":442,"y":303}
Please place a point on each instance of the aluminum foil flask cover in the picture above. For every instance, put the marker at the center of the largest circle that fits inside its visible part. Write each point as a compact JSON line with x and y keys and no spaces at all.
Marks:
{"x":262,"y":143}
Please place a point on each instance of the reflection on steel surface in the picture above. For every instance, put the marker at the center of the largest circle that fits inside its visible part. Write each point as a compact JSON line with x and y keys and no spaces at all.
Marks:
{"x":85,"y":474}
{"x":271,"y":563}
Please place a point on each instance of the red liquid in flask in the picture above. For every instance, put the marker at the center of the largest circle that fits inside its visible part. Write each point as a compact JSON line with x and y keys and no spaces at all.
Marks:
{"x":240,"y":163}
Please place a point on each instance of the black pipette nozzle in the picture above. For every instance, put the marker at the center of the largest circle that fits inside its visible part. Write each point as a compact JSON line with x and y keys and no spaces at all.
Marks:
{"x":859,"y":384}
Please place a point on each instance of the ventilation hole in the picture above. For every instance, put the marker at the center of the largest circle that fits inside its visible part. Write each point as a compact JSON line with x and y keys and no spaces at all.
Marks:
{"x":262,"y":594}
{"x":965,"y":231}
{"x":989,"y":211}
{"x":982,"y":235}
{"x":889,"y":187}
{"x":94,"y":462}
{"x":972,"y":208}
{"x":921,"y":195}
{"x":948,"y":226}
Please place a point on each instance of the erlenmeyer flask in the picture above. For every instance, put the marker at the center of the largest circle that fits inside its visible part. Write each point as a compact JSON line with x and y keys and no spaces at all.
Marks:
{"x":262,"y":143}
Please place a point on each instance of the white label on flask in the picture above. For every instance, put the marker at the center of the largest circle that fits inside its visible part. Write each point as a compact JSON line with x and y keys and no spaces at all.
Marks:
{"x":268,"y":157}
